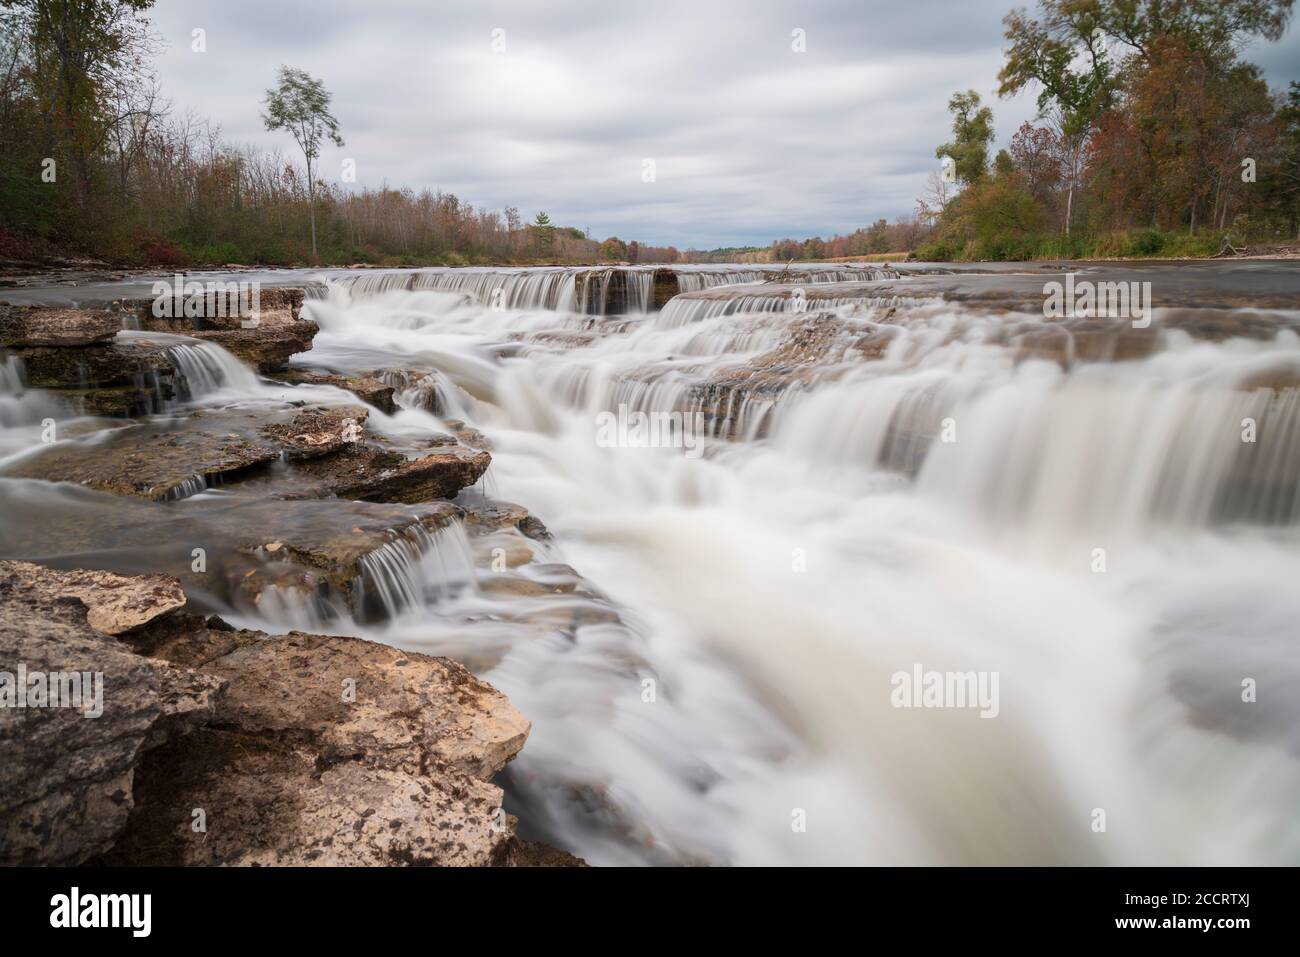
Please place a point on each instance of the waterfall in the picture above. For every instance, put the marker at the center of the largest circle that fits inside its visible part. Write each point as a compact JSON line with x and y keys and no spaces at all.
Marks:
{"x":13,"y":375}
{"x":601,"y":290}
{"x":411,"y":569}
{"x":206,"y":367}
{"x":1105,"y":517}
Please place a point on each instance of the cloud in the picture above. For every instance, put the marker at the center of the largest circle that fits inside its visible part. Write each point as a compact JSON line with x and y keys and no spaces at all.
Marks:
{"x":751,"y":140}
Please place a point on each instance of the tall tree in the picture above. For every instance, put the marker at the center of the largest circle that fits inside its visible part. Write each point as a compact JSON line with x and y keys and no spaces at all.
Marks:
{"x":78,"y":54}
{"x":1067,"y":57}
{"x":301,"y":105}
{"x":544,"y":230}
{"x":972,"y":130}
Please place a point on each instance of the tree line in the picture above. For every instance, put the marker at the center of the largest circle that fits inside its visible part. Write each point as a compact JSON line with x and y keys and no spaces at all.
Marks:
{"x":1153,"y":137}
{"x":95,"y":162}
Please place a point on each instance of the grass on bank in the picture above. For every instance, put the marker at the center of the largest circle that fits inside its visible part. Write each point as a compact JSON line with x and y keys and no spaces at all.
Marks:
{"x":1130,"y":244}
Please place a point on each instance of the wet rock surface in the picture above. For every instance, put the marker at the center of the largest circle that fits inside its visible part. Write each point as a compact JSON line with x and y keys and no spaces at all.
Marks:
{"x":369,"y":389}
{"x":324,"y":448}
{"x":156,"y":460}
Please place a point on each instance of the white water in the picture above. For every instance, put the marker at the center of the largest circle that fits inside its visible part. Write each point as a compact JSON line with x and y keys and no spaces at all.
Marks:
{"x":1119,"y":690}
{"x":771,"y":588}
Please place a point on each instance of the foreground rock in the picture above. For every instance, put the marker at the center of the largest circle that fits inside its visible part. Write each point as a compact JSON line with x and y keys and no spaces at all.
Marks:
{"x":66,"y":773}
{"x":330,"y":751}
{"x":225,"y":746}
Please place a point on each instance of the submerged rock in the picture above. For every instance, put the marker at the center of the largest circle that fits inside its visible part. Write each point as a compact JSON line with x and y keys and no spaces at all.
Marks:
{"x":368,"y":389}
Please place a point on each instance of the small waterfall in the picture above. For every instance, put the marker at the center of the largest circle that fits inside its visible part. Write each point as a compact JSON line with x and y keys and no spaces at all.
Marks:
{"x":681,"y":311}
{"x":700,"y":278}
{"x":696,"y":280}
{"x":21,"y":406}
{"x":206,"y":367}
{"x":415,"y":567}
{"x":13,"y":375}
{"x":536,"y":288}
{"x":417,"y":390}
{"x":190,"y":487}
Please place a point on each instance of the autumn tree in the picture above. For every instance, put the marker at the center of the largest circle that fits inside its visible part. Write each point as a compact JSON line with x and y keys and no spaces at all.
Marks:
{"x":68,"y":61}
{"x":972,"y":130}
{"x":613,"y":249}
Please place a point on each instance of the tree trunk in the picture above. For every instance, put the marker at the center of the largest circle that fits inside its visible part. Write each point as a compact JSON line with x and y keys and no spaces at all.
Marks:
{"x":311,"y":209}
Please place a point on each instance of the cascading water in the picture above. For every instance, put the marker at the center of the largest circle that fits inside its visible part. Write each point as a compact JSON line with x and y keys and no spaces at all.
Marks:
{"x":706,"y":643}
{"x":415,"y":568}
{"x":206,"y":367}
{"x":770,"y":588}
{"x":598,"y":291}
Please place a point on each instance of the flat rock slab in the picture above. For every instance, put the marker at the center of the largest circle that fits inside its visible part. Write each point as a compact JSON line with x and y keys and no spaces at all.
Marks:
{"x":212,"y":311}
{"x":168,"y":458}
{"x":158,"y":460}
{"x":371,"y":474}
{"x":28,"y":326}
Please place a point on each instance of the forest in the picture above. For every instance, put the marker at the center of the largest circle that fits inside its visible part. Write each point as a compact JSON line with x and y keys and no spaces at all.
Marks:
{"x":1153,"y":137}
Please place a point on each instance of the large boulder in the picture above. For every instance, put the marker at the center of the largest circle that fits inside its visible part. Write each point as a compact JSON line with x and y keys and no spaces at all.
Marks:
{"x":67,"y":771}
{"x":327,"y":750}
{"x":217,"y":745}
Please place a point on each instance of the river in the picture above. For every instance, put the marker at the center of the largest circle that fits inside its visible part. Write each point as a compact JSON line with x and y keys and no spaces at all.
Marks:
{"x":884,"y":482}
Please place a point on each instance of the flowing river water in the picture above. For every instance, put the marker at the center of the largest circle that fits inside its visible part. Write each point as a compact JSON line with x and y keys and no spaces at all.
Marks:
{"x":881,"y":484}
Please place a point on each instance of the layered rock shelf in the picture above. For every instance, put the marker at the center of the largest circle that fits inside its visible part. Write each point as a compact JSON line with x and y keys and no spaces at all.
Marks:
{"x":208,"y":743}
{"x":216,"y":745}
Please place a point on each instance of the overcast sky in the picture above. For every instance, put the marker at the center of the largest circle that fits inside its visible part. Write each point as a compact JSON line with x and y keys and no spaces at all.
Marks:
{"x":751,"y":141}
